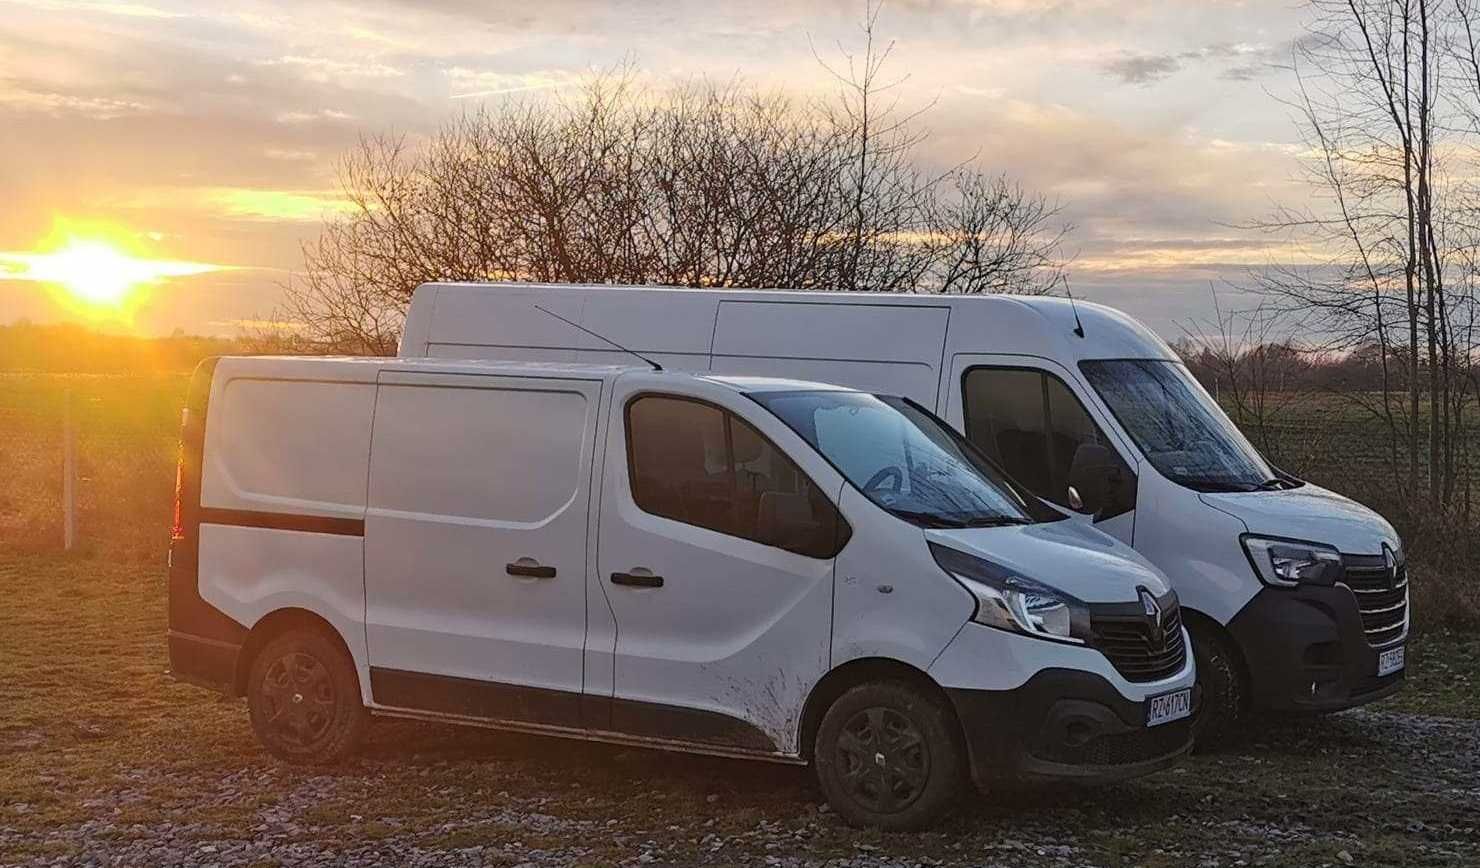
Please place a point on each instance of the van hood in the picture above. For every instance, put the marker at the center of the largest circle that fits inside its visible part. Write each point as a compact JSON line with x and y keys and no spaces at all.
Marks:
{"x":1066,"y":555}
{"x":1309,"y":513}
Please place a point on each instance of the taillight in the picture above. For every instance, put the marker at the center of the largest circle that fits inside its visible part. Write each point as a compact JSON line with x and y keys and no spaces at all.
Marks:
{"x":177,"y":527}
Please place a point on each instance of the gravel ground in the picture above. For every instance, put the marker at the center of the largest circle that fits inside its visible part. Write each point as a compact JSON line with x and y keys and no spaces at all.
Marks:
{"x":1359,"y":788}
{"x":105,"y":761}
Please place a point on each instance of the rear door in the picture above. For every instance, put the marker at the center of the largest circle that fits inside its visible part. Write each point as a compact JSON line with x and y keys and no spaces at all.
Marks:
{"x":476,"y":544}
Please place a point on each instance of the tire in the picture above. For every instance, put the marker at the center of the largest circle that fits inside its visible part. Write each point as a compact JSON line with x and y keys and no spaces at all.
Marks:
{"x":303,"y":695}
{"x":1225,"y":690}
{"x":890,"y":756}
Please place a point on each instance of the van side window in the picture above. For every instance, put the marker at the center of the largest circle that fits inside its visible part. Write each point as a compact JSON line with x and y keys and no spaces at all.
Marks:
{"x":695,"y":463}
{"x":1030,"y":423}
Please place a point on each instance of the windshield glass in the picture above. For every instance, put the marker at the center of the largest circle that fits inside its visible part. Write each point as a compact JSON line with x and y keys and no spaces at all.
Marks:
{"x":902,"y":458}
{"x":1178,"y":425}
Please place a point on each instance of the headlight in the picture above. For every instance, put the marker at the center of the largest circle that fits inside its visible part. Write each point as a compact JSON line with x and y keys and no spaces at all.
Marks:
{"x":1287,"y":563}
{"x":1009,"y":601}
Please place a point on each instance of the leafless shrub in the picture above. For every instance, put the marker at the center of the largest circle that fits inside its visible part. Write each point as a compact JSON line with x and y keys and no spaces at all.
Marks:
{"x":704,"y":184}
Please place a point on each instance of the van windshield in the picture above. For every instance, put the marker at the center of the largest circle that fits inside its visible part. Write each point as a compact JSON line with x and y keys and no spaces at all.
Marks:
{"x":903,"y":459}
{"x":1178,"y":426}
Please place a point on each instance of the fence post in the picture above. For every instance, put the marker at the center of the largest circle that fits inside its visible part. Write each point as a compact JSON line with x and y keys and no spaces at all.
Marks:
{"x":69,"y":474}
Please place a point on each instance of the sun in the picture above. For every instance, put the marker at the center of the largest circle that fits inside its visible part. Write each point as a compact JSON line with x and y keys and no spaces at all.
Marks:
{"x":93,"y":271}
{"x":98,"y":271}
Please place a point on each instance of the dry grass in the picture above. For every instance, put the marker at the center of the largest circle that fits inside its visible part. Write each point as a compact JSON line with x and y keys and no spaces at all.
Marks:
{"x":100,"y":751}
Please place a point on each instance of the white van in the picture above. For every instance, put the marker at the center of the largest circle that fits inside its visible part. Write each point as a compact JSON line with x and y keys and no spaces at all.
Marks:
{"x":1296,"y":597}
{"x":745,"y":567}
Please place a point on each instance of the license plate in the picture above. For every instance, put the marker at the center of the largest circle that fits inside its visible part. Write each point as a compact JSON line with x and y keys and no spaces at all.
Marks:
{"x":1169,"y":707}
{"x":1390,"y":661}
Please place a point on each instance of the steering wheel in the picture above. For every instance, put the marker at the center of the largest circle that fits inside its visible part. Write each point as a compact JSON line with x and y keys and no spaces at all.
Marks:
{"x":893,"y":475}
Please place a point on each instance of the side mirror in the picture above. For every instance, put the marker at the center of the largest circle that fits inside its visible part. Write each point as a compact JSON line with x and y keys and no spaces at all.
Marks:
{"x":1097,"y":480}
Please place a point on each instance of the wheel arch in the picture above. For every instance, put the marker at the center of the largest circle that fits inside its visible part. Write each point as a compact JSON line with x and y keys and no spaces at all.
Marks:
{"x":851,"y":674}
{"x":1197,"y":621}
{"x":273,"y":625}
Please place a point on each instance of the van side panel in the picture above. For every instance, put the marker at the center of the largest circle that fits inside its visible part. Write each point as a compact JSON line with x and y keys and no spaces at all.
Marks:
{"x":283,"y":498}
{"x":466,"y":324}
{"x":472,"y":322}
{"x":891,"y":348}
{"x":293,"y":447}
{"x":251,"y":572}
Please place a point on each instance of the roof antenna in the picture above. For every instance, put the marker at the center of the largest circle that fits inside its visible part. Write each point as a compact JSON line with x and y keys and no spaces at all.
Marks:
{"x":1078,"y":326}
{"x":656,"y":366}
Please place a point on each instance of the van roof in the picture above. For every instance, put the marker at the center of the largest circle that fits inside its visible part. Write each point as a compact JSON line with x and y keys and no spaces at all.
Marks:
{"x":453,"y":316}
{"x":365,"y":369}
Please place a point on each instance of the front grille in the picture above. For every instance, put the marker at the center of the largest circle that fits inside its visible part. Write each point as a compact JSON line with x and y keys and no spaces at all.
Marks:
{"x":1382,"y":597}
{"x":1124,"y":748}
{"x":1129,"y":642}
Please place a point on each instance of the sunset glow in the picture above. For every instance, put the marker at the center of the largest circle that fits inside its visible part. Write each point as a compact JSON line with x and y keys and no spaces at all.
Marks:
{"x":97,"y":275}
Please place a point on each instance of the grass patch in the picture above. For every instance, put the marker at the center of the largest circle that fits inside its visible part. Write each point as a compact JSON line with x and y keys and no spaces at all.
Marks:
{"x":96,"y":736}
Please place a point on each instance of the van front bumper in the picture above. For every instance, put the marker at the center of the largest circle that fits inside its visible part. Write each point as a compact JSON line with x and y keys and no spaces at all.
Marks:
{"x":1306,"y":651}
{"x":1064,"y":725}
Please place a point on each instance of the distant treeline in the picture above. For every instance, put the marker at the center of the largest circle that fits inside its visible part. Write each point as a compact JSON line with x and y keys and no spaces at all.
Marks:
{"x":67,"y":348}
{"x":1280,"y":367}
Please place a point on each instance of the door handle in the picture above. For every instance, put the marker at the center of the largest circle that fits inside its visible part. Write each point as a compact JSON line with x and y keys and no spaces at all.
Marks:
{"x":637,"y":580}
{"x":530,"y":569}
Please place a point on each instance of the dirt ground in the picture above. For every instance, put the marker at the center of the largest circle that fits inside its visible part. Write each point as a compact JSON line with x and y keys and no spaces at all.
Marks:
{"x":105,"y":761}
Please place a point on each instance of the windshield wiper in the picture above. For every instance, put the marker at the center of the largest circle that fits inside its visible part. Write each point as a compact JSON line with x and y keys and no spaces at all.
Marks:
{"x":997,"y":521}
{"x":1219,"y":485}
{"x":1273,"y":485}
{"x":929,"y":519}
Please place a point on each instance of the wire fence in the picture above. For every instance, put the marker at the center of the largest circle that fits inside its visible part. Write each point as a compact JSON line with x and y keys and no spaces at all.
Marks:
{"x":88,"y":463}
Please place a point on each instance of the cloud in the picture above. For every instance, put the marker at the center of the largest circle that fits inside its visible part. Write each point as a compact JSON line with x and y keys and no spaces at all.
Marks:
{"x":467,"y":83}
{"x":304,"y":117}
{"x":1142,"y":69}
{"x":55,"y":104}
{"x":1240,"y":61}
{"x":290,"y":205}
{"x":324,"y":69}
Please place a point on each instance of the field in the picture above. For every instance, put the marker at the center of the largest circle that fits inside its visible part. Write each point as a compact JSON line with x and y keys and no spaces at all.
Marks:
{"x":105,"y":760}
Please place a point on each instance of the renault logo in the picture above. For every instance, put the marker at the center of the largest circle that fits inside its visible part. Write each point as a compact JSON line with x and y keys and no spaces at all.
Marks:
{"x":1391,"y":564}
{"x":1153,"y":617}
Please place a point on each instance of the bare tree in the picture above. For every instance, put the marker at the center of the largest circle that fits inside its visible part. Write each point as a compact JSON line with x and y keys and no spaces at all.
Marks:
{"x":1382,"y":103}
{"x":703,"y":184}
{"x":1251,"y":365}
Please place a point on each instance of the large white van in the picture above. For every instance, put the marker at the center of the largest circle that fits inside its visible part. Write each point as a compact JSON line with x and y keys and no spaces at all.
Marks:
{"x":746,"y":567}
{"x":1296,"y":597}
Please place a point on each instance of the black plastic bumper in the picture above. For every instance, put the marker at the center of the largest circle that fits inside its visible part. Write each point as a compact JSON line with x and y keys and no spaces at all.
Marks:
{"x":204,"y":662}
{"x":1306,"y":651}
{"x":1064,"y":724}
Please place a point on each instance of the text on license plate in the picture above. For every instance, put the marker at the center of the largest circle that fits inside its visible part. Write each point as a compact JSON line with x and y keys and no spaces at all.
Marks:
{"x":1390,"y":661}
{"x":1169,"y":707}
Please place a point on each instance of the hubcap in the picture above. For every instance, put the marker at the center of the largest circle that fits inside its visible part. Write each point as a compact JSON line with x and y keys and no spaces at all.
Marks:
{"x":883,"y":759}
{"x":298,"y":699}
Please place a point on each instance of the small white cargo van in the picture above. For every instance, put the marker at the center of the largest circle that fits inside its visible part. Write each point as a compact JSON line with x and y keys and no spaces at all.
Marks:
{"x":1296,"y":597}
{"x":745,"y":567}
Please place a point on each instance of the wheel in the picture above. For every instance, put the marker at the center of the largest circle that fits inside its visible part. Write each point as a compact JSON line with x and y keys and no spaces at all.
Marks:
{"x":890,"y":756}
{"x":303,"y":696}
{"x":1225,"y":690}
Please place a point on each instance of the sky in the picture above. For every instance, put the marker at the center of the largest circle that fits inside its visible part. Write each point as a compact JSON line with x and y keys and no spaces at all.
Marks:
{"x":203,"y":136}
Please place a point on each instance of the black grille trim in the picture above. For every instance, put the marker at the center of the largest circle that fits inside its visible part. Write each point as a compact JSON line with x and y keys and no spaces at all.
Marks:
{"x":1382,"y":599}
{"x":1124,"y":634}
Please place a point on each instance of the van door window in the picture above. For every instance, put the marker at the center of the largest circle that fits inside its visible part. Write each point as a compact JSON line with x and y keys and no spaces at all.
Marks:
{"x":1031,"y":423}
{"x":695,"y":463}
